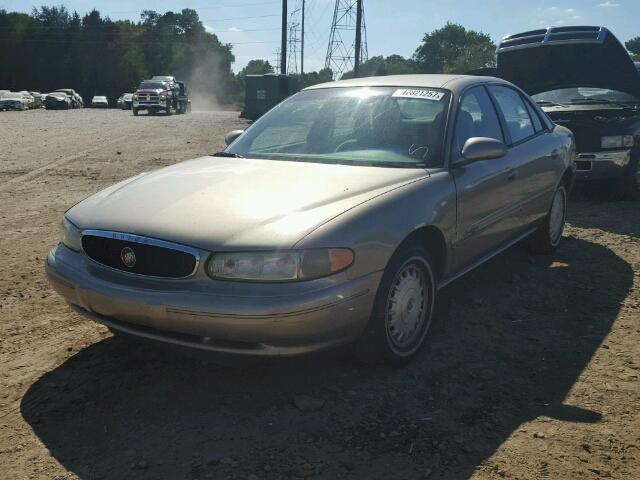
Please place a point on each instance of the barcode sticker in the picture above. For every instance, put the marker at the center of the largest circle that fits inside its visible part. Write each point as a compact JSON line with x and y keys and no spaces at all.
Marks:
{"x":433,"y":95}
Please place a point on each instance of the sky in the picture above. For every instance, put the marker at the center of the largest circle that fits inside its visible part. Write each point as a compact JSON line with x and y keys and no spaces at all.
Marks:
{"x":393,"y":27}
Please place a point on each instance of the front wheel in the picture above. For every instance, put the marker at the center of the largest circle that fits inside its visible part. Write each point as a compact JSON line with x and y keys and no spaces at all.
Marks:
{"x":547,"y":237}
{"x":403,"y":309}
{"x":135,"y":112}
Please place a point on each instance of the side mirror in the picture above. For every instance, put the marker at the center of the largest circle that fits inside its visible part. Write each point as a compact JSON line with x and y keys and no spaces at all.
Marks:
{"x":481,"y":148}
{"x":230,"y":137}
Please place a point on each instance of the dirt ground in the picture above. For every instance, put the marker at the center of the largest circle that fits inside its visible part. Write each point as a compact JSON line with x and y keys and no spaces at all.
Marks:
{"x":532,"y":370}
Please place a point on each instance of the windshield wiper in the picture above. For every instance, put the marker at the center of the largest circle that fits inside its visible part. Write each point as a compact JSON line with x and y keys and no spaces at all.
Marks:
{"x":227,"y":154}
{"x":595,"y":101}
{"x":381,"y":164}
{"x":549,"y":102}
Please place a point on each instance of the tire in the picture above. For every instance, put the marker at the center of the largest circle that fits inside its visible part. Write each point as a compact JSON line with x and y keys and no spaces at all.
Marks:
{"x":135,"y":112}
{"x":169,"y":110}
{"x":409,"y":277}
{"x":546,"y":238}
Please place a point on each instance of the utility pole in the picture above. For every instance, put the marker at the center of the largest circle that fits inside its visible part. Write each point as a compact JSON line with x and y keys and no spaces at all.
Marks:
{"x":302,"y":42}
{"x":356,"y":60}
{"x":283,"y":46}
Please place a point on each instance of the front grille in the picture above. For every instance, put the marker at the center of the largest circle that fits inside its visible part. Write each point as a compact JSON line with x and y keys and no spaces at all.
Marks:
{"x":152,"y":260}
{"x":149,"y":98}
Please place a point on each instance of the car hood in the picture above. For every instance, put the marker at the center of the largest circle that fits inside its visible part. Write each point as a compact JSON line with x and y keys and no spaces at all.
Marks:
{"x":566,"y":57}
{"x":218,"y":203}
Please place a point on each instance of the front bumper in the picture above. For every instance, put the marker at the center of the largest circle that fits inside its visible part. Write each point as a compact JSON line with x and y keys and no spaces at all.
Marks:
{"x":147,"y":105}
{"x":241,"y":318}
{"x":602,"y":165}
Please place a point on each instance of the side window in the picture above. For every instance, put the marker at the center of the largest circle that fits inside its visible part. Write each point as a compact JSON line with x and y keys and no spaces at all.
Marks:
{"x":476,"y":118}
{"x":537,"y":123}
{"x":515,"y":113}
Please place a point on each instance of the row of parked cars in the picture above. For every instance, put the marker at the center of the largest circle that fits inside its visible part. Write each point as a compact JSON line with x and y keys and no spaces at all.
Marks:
{"x":22,"y":100}
{"x":61,"y":99}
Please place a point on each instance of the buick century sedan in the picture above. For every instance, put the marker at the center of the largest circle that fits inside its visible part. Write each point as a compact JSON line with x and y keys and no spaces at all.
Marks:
{"x":334,"y":219}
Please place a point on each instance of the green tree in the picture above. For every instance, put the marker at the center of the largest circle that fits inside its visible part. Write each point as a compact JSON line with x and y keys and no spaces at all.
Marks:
{"x":454,"y":49}
{"x":313,"y":78}
{"x":633,"y":46}
{"x":256,"y":67}
{"x":380,"y":66}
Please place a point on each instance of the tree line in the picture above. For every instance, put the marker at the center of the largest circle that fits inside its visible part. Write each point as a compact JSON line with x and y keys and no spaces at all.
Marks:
{"x":53,"y":48}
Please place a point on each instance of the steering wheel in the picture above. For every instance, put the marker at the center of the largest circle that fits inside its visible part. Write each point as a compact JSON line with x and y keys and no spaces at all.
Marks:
{"x":341,"y":147}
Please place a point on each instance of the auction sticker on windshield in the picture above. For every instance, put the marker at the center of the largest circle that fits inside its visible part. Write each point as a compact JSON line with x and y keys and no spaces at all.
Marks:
{"x":434,"y":95}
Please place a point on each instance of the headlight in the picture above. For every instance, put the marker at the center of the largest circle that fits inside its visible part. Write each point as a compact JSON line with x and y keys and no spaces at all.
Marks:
{"x":135,"y":96}
{"x":289,"y":266}
{"x":71,"y":235}
{"x":619,"y":141}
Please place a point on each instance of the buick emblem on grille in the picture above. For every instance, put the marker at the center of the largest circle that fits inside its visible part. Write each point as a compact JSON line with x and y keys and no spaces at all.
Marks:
{"x":128,"y":257}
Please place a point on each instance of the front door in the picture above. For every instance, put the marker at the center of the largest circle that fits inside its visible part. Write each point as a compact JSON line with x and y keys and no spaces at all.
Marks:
{"x":485,"y":191}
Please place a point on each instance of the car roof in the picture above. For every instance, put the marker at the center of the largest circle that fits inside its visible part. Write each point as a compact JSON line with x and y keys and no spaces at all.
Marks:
{"x":455,"y":83}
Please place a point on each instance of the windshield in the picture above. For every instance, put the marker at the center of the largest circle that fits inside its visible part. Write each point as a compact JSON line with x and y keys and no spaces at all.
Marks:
{"x":375,"y":126}
{"x":12,"y":95}
{"x":127,"y":96}
{"x":582,"y":95}
{"x":152,"y":85}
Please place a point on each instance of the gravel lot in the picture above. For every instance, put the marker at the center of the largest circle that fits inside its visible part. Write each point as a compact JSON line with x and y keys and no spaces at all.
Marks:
{"x":532,"y":371}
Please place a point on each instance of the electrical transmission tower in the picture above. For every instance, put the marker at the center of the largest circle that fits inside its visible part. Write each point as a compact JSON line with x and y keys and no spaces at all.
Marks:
{"x":341,"y":52}
{"x":294,"y":40}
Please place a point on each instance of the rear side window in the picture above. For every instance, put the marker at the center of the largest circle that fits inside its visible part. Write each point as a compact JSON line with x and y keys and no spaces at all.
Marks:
{"x":537,"y":123}
{"x":515,"y":113}
{"x":476,"y":118}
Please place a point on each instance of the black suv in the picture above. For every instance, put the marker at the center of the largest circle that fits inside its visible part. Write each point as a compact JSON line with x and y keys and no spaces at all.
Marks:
{"x":585,"y":80}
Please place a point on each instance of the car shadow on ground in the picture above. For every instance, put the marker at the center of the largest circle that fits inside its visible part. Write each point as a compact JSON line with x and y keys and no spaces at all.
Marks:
{"x":512,"y":339}
{"x":619,"y":217}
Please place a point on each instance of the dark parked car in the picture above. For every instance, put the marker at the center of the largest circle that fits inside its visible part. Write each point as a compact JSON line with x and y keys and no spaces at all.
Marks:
{"x":584,"y":79}
{"x":57,"y":101}
{"x":374,"y":193}
{"x":76,"y":99}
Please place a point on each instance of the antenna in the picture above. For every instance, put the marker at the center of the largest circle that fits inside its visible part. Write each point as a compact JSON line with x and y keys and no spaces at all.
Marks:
{"x":342,"y":48}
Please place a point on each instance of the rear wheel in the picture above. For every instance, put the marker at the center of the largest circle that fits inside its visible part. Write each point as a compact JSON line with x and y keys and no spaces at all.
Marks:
{"x":403,"y":309}
{"x":547,"y":237}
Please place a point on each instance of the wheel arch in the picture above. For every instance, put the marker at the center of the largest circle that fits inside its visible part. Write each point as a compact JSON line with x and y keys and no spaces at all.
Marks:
{"x":568,"y":179}
{"x":433,"y":240}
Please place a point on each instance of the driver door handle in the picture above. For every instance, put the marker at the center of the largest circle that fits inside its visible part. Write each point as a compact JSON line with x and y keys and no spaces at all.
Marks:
{"x":512,"y":174}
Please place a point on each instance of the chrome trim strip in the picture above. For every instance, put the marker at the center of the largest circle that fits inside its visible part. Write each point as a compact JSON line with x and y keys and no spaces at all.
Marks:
{"x":317,"y":308}
{"x":130,"y":237}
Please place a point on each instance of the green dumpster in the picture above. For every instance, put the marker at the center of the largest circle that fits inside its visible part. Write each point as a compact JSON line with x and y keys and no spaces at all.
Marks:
{"x":263,"y":92}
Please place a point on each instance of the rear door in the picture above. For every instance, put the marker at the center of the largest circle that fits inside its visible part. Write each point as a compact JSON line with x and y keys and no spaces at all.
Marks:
{"x":484,"y":189}
{"x":531,"y":147}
